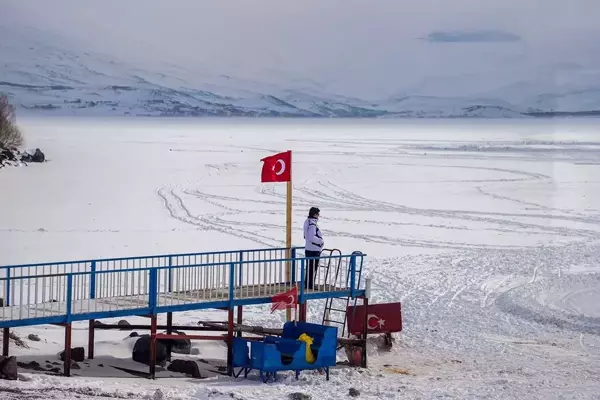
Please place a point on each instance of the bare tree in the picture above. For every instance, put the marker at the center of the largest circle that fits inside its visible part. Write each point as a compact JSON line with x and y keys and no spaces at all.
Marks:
{"x":10,"y":135}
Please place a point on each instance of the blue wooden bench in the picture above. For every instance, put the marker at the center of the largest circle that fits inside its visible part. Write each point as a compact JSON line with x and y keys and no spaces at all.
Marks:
{"x":286,"y":353}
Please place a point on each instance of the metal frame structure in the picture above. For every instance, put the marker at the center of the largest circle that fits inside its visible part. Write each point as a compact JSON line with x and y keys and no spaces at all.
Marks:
{"x":66,"y":292}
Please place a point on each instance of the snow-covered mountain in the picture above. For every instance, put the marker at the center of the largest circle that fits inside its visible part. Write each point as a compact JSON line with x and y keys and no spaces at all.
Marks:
{"x":41,"y":75}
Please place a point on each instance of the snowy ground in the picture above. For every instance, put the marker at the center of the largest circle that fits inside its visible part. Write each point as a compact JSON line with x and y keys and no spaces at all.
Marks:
{"x":487,"y":232}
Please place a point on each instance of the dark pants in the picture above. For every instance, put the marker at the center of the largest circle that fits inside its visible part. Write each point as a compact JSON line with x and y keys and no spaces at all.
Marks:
{"x":311,"y":269}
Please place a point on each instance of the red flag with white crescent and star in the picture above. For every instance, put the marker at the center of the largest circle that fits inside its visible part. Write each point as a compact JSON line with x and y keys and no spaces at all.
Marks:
{"x":285,"y":300}
{"x":277,"y":168}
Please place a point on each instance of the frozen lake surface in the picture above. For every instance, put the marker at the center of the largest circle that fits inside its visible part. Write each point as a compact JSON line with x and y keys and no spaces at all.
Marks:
{"x":487,"y":231}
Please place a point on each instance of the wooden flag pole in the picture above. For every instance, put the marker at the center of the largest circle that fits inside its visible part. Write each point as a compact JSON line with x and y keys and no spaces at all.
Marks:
{"x":288,"y":240}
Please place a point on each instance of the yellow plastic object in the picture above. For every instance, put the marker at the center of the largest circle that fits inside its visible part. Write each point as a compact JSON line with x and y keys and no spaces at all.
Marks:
{"x":310,"y":358}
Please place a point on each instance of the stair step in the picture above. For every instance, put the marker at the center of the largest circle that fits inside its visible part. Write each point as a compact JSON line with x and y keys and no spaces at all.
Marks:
{"x":336,"y":309}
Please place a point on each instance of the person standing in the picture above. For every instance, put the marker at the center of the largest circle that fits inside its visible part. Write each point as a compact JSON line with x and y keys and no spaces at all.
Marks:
{"x":313,"y":246}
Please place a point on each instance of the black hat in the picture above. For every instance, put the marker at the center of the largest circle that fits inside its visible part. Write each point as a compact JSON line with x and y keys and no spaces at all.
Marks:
{"x":313,"y":211}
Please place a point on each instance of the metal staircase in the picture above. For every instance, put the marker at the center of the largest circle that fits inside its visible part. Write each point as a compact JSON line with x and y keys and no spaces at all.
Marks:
{"x":335,"y":307}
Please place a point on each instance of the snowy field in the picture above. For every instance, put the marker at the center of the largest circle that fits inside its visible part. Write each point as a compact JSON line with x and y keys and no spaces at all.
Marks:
{"x":488,"y":232}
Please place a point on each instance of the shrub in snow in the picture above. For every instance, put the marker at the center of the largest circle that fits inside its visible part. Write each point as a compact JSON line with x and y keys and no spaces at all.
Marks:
{"x":10,"y":135}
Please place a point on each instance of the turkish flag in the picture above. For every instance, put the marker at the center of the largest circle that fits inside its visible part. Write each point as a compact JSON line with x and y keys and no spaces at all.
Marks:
{"x":285,"y":300}
{"x":277,"y":168}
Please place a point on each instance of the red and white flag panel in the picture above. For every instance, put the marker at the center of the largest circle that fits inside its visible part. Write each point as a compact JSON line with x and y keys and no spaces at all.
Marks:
{"x":277,"y":168}
{"x":285,"y":300}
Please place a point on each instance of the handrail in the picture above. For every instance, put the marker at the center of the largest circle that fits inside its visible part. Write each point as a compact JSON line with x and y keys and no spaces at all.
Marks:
{"x":49,"y":264}
{"x":167,"y":267}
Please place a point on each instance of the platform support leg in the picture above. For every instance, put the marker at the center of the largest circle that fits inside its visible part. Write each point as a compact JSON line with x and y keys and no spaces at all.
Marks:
{"x":230,"y":343}
{"x":169,"y":331}
{"x":239,"y":320}
{"x":153,"y":328}
{"x":67,"y":365}
{"x":91,"y":332}
{"x":364,"y":335}
{"x":5,"y":341}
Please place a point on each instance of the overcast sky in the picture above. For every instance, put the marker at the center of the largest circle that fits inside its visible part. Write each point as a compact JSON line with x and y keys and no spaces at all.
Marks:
{"x":333,"y":40}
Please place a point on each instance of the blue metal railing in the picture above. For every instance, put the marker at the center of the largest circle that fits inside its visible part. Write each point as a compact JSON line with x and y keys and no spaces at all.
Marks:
{"x":97,"y":293}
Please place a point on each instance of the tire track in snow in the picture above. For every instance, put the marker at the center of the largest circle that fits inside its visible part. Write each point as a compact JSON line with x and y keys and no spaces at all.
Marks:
{"x":581,"y":217}
{"x":475,"y":216}
{"x":177,"y":209}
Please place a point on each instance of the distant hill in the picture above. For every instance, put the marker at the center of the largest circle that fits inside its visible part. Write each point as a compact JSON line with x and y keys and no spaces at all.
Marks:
{"x":43,"y":76}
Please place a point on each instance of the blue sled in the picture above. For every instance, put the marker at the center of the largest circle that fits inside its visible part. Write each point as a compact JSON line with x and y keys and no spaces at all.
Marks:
{"x":286,"y":353}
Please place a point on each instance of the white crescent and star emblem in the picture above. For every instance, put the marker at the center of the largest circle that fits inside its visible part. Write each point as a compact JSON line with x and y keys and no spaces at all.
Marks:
{"x":281,"y":163}
{"x":374,"y":322}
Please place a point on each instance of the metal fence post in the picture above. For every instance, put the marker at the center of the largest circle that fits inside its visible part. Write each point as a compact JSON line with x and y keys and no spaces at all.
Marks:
{"x":169,"y":278}
{"x":352,"y":275}
{"x":302,"y":278}
{"x":240,"y":274}
{"x":93,"y":281}
{"x":69,"y":297}
{"x":231,"y":284}
{"x":7,"y":302}
{"x":153,"y":291}
{"x":293,"y":266}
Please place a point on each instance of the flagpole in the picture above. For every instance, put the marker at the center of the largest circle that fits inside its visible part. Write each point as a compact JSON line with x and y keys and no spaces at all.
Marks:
{"x":288,"y":239}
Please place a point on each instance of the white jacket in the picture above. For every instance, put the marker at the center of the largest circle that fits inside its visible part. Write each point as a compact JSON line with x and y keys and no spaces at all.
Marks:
{"x":312,"y":235}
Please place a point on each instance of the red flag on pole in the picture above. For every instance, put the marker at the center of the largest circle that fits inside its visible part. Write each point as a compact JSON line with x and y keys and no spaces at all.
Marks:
{"x":277,"y":168}
{"x":285,"y":300}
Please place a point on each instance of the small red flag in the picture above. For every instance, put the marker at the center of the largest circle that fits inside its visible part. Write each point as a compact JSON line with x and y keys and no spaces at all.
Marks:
{"x":277,"y":168}
{"x":285,"y":300}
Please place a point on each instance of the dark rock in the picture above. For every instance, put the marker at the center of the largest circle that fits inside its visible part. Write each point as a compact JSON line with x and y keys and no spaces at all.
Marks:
{"x":33,"y":365}
{"x":98,"y":323}
{"x":34,"y":338}
{"x":101,"y":365}
{"x":141,"y":350}
{"x":299,"y":396}
{"x":8,"y":155}
{"x":77,"y":354}
{"x":179,"y":346}
{"x":187,"y":367}
{"x":56,"y":370}
{"x":134,"y":334}
{"x":49,"y":366}
{"x":124,"y":324}
{"x":354,"y":393}
{"x":8,"y":368}
{"x":158,"y":395}
{"x":38,"y":156}
{"x":75,"y":366}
